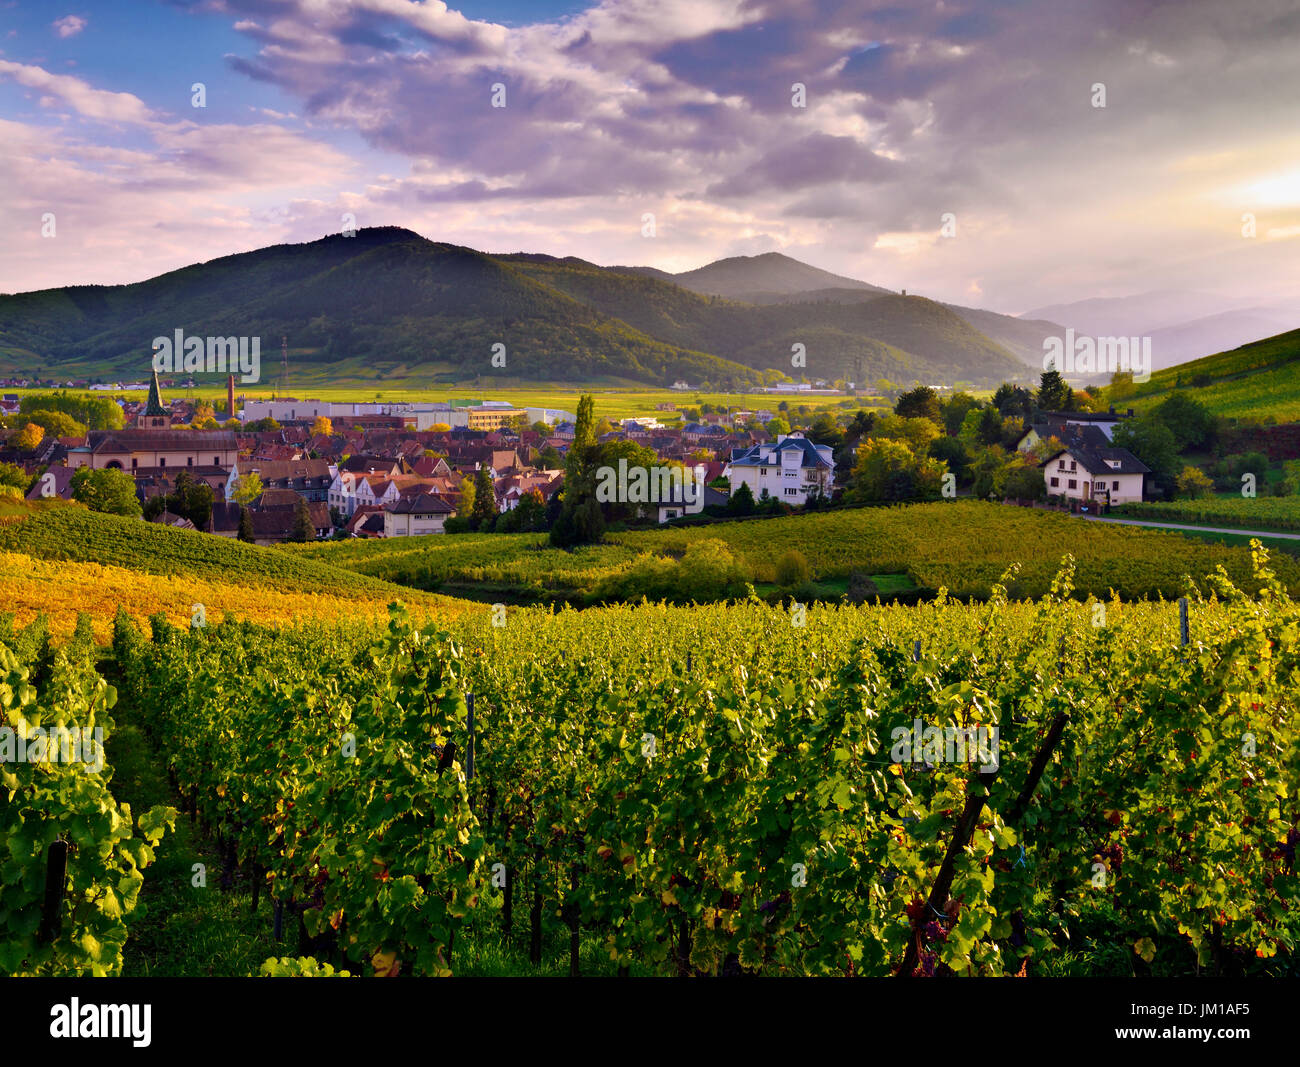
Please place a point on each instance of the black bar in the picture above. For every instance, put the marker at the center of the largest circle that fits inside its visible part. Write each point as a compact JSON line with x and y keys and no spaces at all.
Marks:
{"x":56,"y":877}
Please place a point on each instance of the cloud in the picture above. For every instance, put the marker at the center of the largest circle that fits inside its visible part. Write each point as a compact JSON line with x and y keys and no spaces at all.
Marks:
{"x":79,"y":95}
{"x":69,"y":25}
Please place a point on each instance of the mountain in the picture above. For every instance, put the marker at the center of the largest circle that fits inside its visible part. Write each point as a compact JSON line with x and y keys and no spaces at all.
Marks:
{"x":747,"y":277}
{"x":877,"y":334}
{"x":1217,"y":333}
{"x":1126,"y":316}
{"x":386,"y":300}
{"x":387,"y":304}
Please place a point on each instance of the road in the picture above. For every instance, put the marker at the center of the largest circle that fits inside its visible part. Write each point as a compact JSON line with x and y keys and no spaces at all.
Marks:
{"x":1199,"y":529}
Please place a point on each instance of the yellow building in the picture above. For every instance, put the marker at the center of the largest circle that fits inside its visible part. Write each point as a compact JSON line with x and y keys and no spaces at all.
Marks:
{"x":482,"y":418}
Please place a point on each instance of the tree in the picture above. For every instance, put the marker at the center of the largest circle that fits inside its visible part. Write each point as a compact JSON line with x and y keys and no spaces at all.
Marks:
{"x":192,"y":500}
{"x":109,"y":491}
{"x":1190,"y":421}
{"x":29,"y":437}
{"x":826,"y":431}
{"x":1024,"y":481}
{"x":468,"y":494}
{"x":266,"y":425}
{"x":13,"y":475}
{"x":1054,"y":394}
{"x":203,"y":411}
{"x":95,"y":412}
{"x":954,"y":411}
{"x":581,"y":521}
{"x":322,"y":425}
{"x":440,"y":427}
{"x":777,"y":426}
{"x":952,"y":451}
{"x":888,"y":470}
{"x":54,"y":423}
{"x":542,"y":429}
{"x":1194,"y":483}
{"x":1013,"y":400}
{"x":485,"y":509}
{"x":246,"y":526}
{"x":915,"y":433}
{"x":741,"y":501}
{"x":302,"y":527}
{"x":792,"y":569}
{"x":248,"y":487}
{"x":1153,"y":443}
{"x":205,"y":424}
{"x":919,"y":403}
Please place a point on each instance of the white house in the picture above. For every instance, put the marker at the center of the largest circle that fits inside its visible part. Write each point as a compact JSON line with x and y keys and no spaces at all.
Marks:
{"x":792,"y":469}
{"x":1107,"y":475}
{"x":415,"y":515}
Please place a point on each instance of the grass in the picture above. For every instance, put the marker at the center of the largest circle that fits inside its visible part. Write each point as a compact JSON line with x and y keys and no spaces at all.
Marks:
{"x":614,"y":400}
{"x":965,"y":546}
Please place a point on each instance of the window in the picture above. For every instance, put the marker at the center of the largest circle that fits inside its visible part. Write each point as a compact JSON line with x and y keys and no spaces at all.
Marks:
{"x":1072,"y":484}
{"x":189,"y":461}
{"x":1114,"y":485}
{"x":162,"y":461}
{"x":216,"y":461}
{"x":792,"y":492}
{"x":1061,"y":466}
{"x":1073,"y":466}
{"x":1056,"y":482}
{"x":134,"y":463}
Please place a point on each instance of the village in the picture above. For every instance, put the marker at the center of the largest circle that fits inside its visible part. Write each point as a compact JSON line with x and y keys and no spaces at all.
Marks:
{"x":284,"y":469}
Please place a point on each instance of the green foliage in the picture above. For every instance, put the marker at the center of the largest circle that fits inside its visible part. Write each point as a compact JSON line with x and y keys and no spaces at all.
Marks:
{"x":888,"y":470}
{"x":1151,"y":441}
{"x":919,"y":403}
{"x":95,"y":412}
{"x":50,"y":798}
{"x":792,"y":569}
{"x":109,"y":491}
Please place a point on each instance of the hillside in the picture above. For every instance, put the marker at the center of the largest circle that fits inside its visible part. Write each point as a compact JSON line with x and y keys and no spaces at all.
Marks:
{"x":1257,"y":380}
{"x":386,"y":297}
{"x":964,"y":546}
{"x":62,"y":560}
{"x":740,"y":277}
{"x":876,"y":335}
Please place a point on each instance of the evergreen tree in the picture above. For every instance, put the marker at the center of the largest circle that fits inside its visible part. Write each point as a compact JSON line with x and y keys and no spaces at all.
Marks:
{"x":246,"y":526}
{"x":302,"y":527}
{"x":1054,"y":394}
{"x":484,"y":510}
{"x":581,"y":522}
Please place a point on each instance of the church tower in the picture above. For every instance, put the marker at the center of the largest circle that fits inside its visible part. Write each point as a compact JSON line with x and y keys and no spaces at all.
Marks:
{"x":154,"y":416}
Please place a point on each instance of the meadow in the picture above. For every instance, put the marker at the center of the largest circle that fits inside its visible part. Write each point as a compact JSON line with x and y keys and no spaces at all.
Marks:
{"x":964,"y":546}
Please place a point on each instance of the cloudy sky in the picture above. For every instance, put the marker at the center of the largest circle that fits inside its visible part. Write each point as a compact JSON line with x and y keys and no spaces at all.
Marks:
{"x":684,"y":109}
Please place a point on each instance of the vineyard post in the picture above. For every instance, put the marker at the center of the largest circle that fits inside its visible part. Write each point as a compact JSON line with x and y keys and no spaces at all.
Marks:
{"x":1184,"y":629}
{"x":56,"y":876}
{"x":469,"y":726}
{"x":277,"y":925}
{"x":916,"y":652}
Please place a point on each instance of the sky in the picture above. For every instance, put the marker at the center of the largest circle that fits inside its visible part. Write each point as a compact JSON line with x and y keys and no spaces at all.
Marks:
{"x":950,"y":148}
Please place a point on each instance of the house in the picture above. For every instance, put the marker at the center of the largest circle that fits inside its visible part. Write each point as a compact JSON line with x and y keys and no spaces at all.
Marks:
{"x":225,"y":520}
{"x":365,"y":522}
{"x":1082,"y":435}
{"x":55,"y":482}
{"x":1107,"y":475}
{"x":424,"y":513}
{"x":177,"y":522}
{"x":274,"y":524}
{"x":675,"y":506}
{"x":131,"y":450}
{"x":309,"y":478}
{"x":792,"y":470}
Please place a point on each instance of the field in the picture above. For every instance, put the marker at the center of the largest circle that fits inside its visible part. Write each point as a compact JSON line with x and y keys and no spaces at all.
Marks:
{"x":1247,"y":513}
{"x":714,"y":790}
{"x":63,"y":560}
{"x":616,"y":401}
{"x":963,"y":546}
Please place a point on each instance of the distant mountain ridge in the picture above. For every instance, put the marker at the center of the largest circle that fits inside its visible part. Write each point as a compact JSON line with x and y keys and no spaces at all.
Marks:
{"x":392,"y":303}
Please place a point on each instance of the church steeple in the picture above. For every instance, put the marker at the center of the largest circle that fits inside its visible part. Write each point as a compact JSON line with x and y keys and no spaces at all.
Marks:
{"x":154,"y":416}
{"x":154,"y":406}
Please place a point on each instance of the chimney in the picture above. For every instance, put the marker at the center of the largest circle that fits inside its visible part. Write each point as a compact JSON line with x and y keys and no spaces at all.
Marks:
{"x":230,"y":396}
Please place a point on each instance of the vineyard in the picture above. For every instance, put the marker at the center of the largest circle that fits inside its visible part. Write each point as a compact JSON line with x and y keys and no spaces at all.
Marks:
{"x":963,"y":546}
{"x":720,"y":790}
{"x":71,"y":857}
{"x":1250,"y":513}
